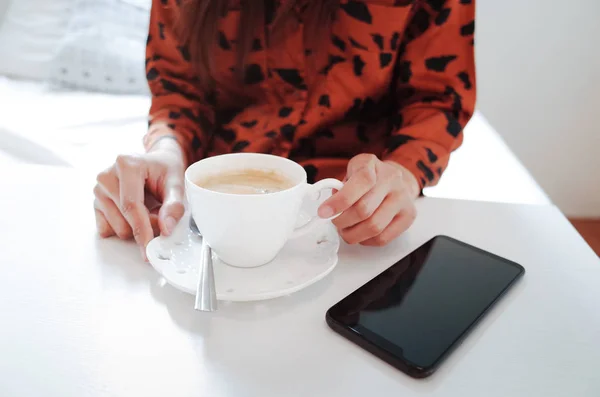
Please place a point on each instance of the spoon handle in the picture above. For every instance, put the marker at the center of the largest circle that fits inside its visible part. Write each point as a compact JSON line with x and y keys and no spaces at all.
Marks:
{"x":206,"y":294}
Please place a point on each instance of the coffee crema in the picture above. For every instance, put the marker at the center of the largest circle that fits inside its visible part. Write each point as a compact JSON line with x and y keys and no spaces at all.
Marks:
{"x":246,"y":181}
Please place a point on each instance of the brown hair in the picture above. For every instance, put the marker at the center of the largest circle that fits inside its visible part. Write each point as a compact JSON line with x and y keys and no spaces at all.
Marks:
{"x":199,"y":25}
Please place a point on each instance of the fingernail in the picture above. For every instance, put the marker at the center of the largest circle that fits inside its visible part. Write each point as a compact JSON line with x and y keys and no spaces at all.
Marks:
{"x":170,"y":224}
{"x":326,"y":212}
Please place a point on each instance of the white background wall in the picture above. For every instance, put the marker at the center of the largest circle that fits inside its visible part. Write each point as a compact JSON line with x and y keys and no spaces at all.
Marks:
{"x":538,"y":65}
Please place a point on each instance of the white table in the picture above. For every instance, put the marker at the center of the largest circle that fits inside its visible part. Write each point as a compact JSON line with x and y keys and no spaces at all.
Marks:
{"x":85,"y":317}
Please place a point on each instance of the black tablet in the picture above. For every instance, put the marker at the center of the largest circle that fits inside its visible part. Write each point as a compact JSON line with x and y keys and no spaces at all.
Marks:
{"x":414,"y":313}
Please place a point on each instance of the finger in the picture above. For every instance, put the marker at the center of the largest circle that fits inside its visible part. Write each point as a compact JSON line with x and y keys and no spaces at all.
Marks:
{"x":104,"y":229}
{"x":172,"y":208}
{"x":132,"y":179}
{"x":360,"y":161}
{"x":108,"y":182}
{"x":399,"y":225}
{"x":357,"y":186}
{"x":155,"y":225}
{"x":374,"y":225}
{"x":362,"y":209}
{"x":113,"y":217}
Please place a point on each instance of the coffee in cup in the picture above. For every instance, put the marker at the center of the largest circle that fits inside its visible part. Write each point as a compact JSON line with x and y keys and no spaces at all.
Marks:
{"x":246,"y":205}
{"x":246,"y":181}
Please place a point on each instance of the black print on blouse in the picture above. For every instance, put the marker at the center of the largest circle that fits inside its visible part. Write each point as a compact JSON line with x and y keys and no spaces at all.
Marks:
{"x":339,"y":43}
{"x":249,"y":124}
{"x":292,"y":77}
{"x":185,"y":53}
{"x":285,"y":112}
{"x":378,"y":39}
{"x":439,"y":64}
{"x":431,"y":156}
{"x":223,"y":42}
{"x":152,"y":74}
{"x":324,"y":101}
{"x":395,"y":141}
{"x":239,"y":146}
{"x":453,"y":127}
{"x":405,"y":71}
{"x":253,"y":74}
{"x":333,"y":60}
{"x":464,"y":77}
{"x":358,"y":65}
{"x":161,"y":30}
{"x":468,"y":29}
{"x":356,"y":44}
{"x":426,"y":170}
{"x":288,"y":131}
{"x":443,"y":16}
{"x":358,"y":10}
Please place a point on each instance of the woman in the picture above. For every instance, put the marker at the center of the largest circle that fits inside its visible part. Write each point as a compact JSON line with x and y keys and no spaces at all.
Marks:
{"x":376,"y":92}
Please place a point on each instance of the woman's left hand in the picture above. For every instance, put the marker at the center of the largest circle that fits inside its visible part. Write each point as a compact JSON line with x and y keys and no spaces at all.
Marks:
{"x":376,"y":202}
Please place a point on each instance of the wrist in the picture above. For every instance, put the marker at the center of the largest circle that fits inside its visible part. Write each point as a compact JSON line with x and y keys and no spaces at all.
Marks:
{"x":166,"y":141}
{"x":169,"y":145}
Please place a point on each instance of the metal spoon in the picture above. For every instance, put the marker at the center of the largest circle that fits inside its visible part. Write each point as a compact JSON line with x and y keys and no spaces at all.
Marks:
{"x":206,"y":292}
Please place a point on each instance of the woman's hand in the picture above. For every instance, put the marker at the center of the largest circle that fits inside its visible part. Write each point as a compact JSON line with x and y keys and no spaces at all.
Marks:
{"x":376,"y":202}
{"x":124,"y":191}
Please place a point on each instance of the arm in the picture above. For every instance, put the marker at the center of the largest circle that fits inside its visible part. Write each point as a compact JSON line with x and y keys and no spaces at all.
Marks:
{"x":436,"y":88}
{"x":178,"y":108}
{"x":436,"y":98}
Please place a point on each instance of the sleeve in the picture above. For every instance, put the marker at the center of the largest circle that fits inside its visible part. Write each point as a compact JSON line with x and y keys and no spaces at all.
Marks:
{"x":177,"y":102}
{"x":436,"y":87}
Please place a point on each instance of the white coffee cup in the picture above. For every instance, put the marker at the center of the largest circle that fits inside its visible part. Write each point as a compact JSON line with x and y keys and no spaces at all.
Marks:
{"x":249,"y":230}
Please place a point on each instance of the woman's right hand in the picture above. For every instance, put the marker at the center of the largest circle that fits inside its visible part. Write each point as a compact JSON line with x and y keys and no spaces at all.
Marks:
{"x":122,"y":192}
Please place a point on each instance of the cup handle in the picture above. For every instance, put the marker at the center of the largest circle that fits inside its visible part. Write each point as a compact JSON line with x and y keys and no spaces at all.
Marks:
{"x":314,"y":193}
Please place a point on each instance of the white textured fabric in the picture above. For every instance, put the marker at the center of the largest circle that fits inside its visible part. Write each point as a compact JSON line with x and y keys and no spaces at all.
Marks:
{"x":104,"y":48}
{"x":30,"y":33}
{"x":3,"y":8}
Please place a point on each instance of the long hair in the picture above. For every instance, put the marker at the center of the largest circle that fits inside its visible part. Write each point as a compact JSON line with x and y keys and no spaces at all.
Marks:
{"x":199,"y":25}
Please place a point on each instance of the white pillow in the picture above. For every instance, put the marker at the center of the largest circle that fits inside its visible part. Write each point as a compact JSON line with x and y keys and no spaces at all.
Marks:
{"x":30,"y":33}
{"x":104,"y":47}
{"x":3,"y":7}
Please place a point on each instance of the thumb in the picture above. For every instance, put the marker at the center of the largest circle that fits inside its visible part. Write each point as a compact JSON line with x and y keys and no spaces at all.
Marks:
{"x":172,"y":208}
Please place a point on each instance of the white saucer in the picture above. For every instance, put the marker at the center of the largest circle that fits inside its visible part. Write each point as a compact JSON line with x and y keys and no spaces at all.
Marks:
{"x":302,"y":261}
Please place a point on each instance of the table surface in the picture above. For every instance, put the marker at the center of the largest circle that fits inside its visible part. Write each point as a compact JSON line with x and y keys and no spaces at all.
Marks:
{"x":85,"y":317}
